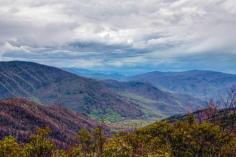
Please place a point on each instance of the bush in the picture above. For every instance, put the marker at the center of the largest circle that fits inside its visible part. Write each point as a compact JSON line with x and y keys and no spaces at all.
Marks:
{"x":39,"y":145}
{"x":10,"y":148}
{"x":184,"y":138}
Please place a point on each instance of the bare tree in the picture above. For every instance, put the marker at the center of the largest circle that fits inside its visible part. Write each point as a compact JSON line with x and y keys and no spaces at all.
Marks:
{"x":229,"y":105}
{"x":209,"y":113}
{"x":230,"y":102}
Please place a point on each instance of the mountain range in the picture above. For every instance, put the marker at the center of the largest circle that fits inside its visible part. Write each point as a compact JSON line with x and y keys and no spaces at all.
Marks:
{"x":198,"y":83}
{"x":53,"y":86}
{"x":202,"y":84}
{"x":112,"y":100}
{"x":98,"y":75}
{"x":153,"y":100}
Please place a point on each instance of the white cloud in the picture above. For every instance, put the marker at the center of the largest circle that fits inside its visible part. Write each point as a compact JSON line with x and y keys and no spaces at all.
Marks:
{"x":117,"y":32}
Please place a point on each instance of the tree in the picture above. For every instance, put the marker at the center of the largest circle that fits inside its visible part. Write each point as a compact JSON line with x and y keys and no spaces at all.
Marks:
{"x":75,"y":152}
{"x":204,"y":139}
{"x":117,"y":147}
{"x":39,"y":145}
{"x":10,"y":148}
{"x":60,"y":153}
{"x":85,"y":142}
{"x":230,"y":109}
{"x":99,"y":140}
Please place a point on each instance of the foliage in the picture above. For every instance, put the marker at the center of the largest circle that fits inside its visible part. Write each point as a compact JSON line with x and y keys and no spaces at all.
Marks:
{"x":184,"y":138}
{"x":99,"y":140}
{"x":10,"y":148}
{"x":39,"y":145}
{"x":117,"y":147}
{"x":85,"y":143}
{"x":75,"y":152}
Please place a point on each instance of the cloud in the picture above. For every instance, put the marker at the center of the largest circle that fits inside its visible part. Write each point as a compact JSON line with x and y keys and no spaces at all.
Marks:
{"x":117,"y":33}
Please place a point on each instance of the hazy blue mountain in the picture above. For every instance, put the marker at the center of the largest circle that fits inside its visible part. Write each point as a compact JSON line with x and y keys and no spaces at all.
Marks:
{"x":202,"y":84}
{"x":99,"y":75}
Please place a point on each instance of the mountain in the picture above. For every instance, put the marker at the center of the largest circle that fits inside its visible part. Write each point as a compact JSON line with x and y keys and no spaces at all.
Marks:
{"x":201,"y":84}
{"x":98,"y":75}
{"x":20,"y":118}
{"x":114,"y":101}
{"x":53,"y":86}
{"x":153,"y":100}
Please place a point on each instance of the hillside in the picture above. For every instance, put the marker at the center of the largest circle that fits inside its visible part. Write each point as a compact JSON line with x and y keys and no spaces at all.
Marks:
{"x":20,"y":118}
{"x":204,"y":133}
{"x":52,"y":86}
{"x":153,"y":100}
{"x":177,"y":137}
{"x":112,"y":100}
{"x":202,"y":84}
{"x":225,"y":118}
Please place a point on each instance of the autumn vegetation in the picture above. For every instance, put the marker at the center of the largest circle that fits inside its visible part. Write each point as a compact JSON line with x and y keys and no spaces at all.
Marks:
{"x":186,"y":137}
{"x":206,"y":133}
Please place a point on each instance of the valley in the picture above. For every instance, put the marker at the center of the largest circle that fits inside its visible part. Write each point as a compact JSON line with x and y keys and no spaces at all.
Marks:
{"x":99,"y":99}
{"x":67,"y":115}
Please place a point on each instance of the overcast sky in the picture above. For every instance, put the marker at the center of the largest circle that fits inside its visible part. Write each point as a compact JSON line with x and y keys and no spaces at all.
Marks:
{"x":171,"y":35}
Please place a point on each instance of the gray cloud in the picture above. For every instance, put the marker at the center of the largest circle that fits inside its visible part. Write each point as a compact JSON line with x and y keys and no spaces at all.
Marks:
{"x":90,"y":33}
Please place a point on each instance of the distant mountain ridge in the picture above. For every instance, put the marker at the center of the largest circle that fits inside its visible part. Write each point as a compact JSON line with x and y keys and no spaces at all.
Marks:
{"x":113,"y":101}
{"x":153,"y":99}
{"x":49,"y":85}
{"x":198,"y":83}
{"x":99,"y":75}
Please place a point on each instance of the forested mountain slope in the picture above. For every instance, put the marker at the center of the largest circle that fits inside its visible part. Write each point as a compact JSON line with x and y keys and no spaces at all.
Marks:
{"x":20,"y":118}
{"x":52,"y":86}
{"x":198,"y":83}
{"x":112,"y":100}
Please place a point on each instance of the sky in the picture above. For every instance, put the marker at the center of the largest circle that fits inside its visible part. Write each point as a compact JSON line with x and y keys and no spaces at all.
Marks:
{"x":121,"y":35}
